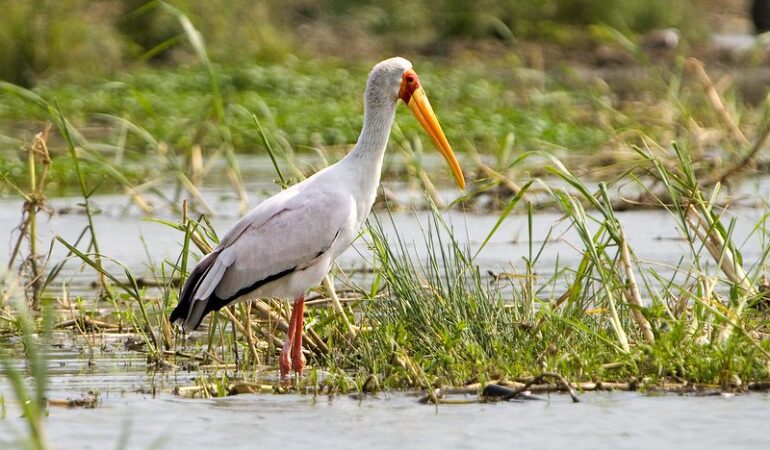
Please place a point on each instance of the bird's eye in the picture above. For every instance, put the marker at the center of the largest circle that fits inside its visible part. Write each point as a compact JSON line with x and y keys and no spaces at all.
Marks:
{"x":410,"y":79}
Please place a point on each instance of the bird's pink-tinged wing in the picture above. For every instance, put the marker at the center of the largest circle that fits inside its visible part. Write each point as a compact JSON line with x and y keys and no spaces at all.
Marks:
{"x":295,"y":233}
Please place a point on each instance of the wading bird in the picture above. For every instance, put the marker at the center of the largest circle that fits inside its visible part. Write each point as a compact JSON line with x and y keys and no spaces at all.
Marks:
{"x":287,"y":244}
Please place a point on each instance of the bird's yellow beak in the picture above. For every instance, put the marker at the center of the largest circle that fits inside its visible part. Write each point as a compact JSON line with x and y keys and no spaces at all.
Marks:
{"x":414,"y":97}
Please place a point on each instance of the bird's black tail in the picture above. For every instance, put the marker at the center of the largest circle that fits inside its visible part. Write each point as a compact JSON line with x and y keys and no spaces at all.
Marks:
{"x":182,"y":313}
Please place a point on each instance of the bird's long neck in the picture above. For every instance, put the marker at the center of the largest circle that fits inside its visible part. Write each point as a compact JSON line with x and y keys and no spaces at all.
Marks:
{"x":366,"y":157}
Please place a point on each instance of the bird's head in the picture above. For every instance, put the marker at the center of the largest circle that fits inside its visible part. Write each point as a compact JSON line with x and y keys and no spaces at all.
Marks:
{"x":395,"y":79}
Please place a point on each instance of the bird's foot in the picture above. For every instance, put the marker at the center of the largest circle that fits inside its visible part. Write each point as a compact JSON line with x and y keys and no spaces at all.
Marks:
{"x":298,"y":361}
{"x":283,"y":360}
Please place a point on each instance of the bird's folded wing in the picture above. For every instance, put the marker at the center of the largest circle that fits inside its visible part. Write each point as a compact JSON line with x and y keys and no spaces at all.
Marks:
{"x":295,"y":233}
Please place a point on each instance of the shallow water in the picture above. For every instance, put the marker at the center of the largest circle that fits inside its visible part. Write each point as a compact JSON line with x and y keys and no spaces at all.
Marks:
{"x":128,"y":410}
{"x":602,"y":420}
{"x":130,"y":238}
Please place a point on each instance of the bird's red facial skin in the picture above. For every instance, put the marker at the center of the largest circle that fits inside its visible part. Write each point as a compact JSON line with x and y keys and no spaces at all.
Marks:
{"x":409,"y":83}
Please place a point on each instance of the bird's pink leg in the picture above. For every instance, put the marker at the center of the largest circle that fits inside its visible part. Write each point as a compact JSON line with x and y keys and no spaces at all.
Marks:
{"x":288,"y":345}
{"x":297,"y":360}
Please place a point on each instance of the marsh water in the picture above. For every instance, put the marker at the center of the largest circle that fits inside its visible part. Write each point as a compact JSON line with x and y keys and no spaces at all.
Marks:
{"x":135,"y":406}
{"x":136,"y":410}
{"x":129,"y":413}
{"x":132,"y":238}
{"x":601,"y":420}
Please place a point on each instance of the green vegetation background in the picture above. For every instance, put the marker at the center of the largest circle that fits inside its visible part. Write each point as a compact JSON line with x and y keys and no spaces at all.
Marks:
{"x":41,"y":38}
{"x":135,"y":79}
{"x":300,"y":66}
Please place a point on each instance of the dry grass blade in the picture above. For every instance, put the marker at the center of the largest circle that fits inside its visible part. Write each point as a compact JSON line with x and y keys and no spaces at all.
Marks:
{"x":634,"y":296}
{"x":244,"y":326}
{"x":337,"y":306}
{"x":493,"y":174}
{"x":708,"y":233}
{"x":715,"y":99}
{"x":34,"y":203}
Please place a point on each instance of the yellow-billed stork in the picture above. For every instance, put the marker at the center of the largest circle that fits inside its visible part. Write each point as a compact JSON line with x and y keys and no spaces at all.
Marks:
{"x":287,"y":244}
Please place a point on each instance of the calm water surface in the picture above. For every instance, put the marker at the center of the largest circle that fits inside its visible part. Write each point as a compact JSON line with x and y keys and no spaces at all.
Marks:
{"x":129,"y":237}
{"x":602,"y":420}
{"x":127,"y":410}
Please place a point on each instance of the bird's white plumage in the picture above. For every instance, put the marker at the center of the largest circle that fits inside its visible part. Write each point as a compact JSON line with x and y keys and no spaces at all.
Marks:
{"x":300,"y":231}
{"x":302,"y":227}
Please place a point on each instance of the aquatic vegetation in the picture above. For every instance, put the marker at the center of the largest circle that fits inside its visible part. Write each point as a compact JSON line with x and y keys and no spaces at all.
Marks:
{"x":533,"y":140}
{"x":147,"y":116}
{"x":30,"y":397}
{"x":439,"y":321}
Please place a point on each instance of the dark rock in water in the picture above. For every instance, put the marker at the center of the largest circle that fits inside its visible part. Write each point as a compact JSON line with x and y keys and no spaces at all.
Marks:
{"x":760,"y":15}
{"x":495,"y":390}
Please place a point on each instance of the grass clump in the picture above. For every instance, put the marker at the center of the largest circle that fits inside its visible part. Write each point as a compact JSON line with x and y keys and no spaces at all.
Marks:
{"x":434,"y":320}
{"x":438,"y":321}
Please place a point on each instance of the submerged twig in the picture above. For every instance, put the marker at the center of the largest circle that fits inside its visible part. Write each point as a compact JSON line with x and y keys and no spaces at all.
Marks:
{"x":502,"y":391}
{"x":539,"y":379}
